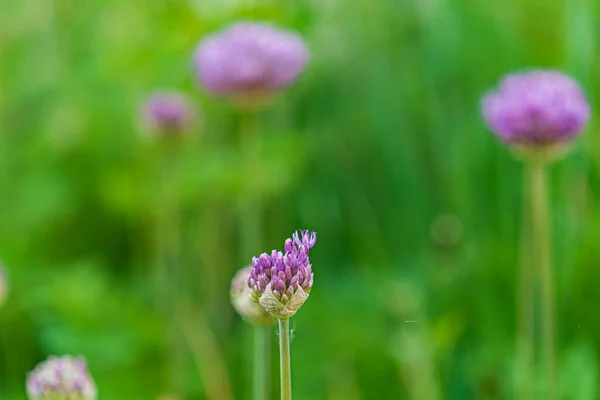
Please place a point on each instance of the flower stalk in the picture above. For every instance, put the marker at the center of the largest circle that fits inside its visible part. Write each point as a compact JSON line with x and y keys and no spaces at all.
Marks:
{"x":543,"y":259}
{"x":285,"y":369}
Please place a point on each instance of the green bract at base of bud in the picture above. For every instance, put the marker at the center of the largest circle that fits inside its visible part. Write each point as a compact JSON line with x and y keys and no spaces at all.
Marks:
{"x":541,"y":154}
{"x":281,"y":310}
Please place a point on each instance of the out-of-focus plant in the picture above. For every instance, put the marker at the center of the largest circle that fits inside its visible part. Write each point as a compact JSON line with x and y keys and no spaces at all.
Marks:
{"x":3,"y":285}
{"x":168,"y":116}
{"x":538,"y":113}
{"x":249,"y":63}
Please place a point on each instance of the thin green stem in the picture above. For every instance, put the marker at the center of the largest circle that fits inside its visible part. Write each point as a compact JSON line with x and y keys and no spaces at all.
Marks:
{"x":250,"y":208}
{"x":285,"y":369}
{"x":262,"y":362}
{"x":251,"y":243}
{"x":543,"y":258}
{"x":168,"y":256}
{"x":525,"y":303}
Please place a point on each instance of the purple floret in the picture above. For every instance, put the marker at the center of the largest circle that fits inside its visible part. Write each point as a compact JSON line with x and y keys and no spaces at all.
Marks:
{"x":536,"y":107}
{"x":249,"y":58}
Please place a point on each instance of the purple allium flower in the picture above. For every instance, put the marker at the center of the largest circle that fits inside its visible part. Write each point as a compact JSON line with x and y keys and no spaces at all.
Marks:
{"x":241,"y":300}
{"x":536,"y":107}
{"x":281,"y":282}
{"x":3,"y":285}
{"x":61,"y":378}
{"x":250,"y":58}
{"x":167,"y":112}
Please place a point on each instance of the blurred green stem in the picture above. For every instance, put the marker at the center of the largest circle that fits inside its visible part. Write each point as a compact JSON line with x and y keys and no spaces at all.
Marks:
{"x":251,"y":242}
{"x":250,"y":210}
{"x":525,"y":302}
{"x":168,"y":254}
{"x":284,"y":359}
{"x":262,"y":362}
{"x":540,"y":231}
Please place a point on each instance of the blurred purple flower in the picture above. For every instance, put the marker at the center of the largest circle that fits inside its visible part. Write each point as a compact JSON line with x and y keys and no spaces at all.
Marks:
{"x":3,"y":285}
{"x":536,"y":107}
{"x":167,"y":112}
{"x":64,"y":378}
{"x":250,"y":58}
{"x":281,"y":282}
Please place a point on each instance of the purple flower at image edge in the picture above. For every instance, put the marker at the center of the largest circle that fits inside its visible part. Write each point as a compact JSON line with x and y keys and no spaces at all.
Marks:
{"x":167,"y":112}
{"x":3,"y":285}
{"x":61,"y":378}
{"x":536,"y":107}
{"x":250,"y":58}
{"x":281,"y":282}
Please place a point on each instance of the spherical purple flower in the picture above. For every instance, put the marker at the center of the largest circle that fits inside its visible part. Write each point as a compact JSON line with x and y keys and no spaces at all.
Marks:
{"x":167,"y":112}
{"x":281,"y":282}
{"x":61,"y":378}
{"x":250,"y":58}
{"x":243,"y":303}
{"x":536,"y":107}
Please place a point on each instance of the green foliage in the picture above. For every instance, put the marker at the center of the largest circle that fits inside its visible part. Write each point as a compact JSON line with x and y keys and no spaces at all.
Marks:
{"x":378,"y":141}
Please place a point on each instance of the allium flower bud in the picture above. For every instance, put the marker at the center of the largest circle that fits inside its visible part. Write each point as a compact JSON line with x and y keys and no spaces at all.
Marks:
{"x":250,"y":59}
{"x":241,"y":300}
{"x":281,"y":282}
{"x":167,"y":112}
{"x":536,"y":108}
{"x":61,"y":378}
{"x":3,"y":286}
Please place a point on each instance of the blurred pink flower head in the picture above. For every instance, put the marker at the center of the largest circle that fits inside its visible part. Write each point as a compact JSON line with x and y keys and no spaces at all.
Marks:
{"x":64,"y":378}
{"x":536,"y":107}
{"x":250,"y":58}
{"x":167,"y":112}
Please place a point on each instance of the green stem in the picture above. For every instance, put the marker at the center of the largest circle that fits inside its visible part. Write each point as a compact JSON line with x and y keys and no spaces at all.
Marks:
{"x":250,"y":209}
{"x":168,"y":244}
{"x":285,"y":369}
{"x":262,"y":362}
{"x":542,"y":254}
{"x":525,"y":302}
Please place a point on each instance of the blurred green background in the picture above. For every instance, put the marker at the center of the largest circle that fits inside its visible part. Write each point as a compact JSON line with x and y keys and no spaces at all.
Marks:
{"x":380,"y":148}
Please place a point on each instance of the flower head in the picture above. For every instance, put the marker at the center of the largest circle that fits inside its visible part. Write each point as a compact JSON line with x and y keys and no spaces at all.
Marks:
{"x":250,"y":59}
{"x":536,"y":108}
{"x":167,"y":112}
{"x":281,"y":282}
{"x":241,"y":300}
{"x":61,"y":378}
{"x":3,"y":285}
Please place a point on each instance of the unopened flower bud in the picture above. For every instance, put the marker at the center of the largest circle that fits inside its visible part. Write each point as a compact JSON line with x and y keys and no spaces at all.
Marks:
{"x":281,"y":283}
{"x":241,"y":299}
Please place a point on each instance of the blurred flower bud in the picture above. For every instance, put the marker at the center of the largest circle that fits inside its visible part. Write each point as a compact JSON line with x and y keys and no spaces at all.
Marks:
{"x":61,"y":378}
{"x":241,"y":300}
{"x":281,"y":283}
{"x":250,"y":60}
{"x":168,"y":113}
